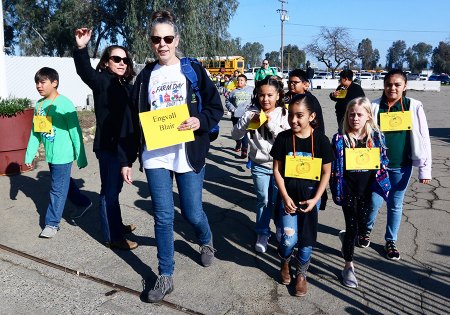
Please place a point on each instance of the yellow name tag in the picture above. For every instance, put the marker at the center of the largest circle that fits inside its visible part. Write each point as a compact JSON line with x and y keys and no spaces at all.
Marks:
{"x":304,"y":167}
{"x":342,"y":94}
{"x":395,"y":121}
{"x":160,"y":127}
{"x":362,"y":158}
{"x":256,"y":124}
{"x":42,"y":124}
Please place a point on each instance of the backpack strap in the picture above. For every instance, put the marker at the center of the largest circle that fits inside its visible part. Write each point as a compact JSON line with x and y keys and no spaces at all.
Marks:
{"x":191,"y":75}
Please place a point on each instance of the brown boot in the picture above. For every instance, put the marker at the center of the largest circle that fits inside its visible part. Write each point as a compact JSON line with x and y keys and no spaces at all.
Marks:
{"x":285,"y":272}
{"x":301,"y":287}
{"x":123,"y":244}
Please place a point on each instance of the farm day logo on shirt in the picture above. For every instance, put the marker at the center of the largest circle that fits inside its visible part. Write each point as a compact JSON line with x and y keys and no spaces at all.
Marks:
{"x":167,"y":94}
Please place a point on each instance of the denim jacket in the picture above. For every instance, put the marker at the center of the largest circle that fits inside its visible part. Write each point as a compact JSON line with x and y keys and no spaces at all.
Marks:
{"x":381,"y":185}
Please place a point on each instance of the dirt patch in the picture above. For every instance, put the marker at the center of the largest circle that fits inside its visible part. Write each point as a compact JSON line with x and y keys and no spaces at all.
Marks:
{"x":86,"y":119}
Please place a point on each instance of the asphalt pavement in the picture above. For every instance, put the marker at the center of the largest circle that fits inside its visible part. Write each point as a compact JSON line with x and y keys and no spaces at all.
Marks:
{"x":74,"y":273}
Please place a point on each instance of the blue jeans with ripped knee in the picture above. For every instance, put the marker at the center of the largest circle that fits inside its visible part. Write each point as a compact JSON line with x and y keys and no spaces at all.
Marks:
{"x":289,"y":237}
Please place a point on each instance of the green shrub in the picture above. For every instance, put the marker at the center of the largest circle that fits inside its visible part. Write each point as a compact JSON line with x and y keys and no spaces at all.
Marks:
{"x":12,"y":106}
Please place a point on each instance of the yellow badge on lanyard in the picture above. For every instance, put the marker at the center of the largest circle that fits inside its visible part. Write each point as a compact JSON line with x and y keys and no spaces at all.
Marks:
{"x":395,"y":121}
{"x":304,"y":167}
{"x":362,"y":158}
{"x":342,"y":94}
{"x":256,"y":124}
{"x":42,"y":124}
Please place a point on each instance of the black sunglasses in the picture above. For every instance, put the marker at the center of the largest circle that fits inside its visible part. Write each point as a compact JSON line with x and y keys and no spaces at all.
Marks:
{"x":157,"y":39}
{"x":118,"y":59}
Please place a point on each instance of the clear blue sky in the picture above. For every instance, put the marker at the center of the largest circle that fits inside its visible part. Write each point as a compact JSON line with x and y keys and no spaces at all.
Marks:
{"x":382,"y":21}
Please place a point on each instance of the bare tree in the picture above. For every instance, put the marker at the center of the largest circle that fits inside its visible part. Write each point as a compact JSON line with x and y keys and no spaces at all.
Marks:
{"x":333,"y":47}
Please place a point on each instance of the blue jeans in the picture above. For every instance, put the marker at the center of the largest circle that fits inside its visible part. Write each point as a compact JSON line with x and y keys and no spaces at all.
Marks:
{"x":111,"y":186}
{"x":399,"y":178}
{"x":190,"y":186}
{"x":62,"y":186}
{"x":266,"y":197}
{"x":288,"y":242}
{"x":244,"y":141}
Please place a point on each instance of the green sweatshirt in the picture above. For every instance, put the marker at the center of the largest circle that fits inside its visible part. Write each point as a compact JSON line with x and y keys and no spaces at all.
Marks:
{"x":65,"y":143}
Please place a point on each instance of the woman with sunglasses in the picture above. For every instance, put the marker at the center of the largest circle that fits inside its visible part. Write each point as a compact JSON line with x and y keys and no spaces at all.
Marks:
{"x":110,"y":84}
{"x":162,"y":84}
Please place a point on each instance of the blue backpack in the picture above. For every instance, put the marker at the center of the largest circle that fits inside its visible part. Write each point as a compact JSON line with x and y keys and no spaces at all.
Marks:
{"x":190,"y":74}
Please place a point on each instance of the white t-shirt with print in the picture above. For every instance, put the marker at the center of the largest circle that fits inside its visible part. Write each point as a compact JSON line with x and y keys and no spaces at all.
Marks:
{"x":167,"y":88}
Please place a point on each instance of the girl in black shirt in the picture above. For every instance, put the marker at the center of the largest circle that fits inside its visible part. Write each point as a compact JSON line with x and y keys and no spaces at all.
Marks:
{"x":301,"y":196}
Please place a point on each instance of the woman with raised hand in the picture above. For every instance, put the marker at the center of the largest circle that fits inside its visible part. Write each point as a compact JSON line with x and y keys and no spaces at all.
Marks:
{"x":110,"y":84}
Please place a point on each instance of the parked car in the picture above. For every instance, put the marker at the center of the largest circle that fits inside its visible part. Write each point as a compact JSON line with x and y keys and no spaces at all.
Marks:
{"x":380,"y":75}
{"x":423,"y":77}
{"x":365,"y":76}
{"x":413,"y":76}
{"x":323,"y":75}
{"x":443,"y":78}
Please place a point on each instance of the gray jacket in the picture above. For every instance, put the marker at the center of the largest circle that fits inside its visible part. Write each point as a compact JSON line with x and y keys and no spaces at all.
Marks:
{"x":239,"y":100}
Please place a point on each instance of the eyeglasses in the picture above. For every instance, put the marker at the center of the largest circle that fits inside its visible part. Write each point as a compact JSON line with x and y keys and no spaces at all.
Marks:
{"x":118,"y":59}
{"x":265,"y":63}
{"x":294,"y":82}
{"x":157,"y":39}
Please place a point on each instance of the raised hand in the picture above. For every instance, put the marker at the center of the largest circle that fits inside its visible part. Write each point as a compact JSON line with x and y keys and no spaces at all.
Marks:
{"x":82,"y":37}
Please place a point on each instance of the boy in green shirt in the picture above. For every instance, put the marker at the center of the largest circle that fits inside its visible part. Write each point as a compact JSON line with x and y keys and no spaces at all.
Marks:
{"x":55,"y":123}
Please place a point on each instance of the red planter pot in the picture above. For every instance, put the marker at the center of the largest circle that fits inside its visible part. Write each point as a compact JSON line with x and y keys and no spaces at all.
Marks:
{"x":14,"y":135}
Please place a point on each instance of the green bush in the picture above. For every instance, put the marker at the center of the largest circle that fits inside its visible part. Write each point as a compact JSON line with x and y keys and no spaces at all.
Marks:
{"x":12,"y":106}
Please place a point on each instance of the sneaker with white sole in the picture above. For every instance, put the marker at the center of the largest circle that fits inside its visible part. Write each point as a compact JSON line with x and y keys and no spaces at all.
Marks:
{"x":49,"y":231}
{"x":392,"y":252}
{"x":349,"y":278}
{"x":363,"y":240}
{"x":261,"y":243}
{"x":81,"y":211}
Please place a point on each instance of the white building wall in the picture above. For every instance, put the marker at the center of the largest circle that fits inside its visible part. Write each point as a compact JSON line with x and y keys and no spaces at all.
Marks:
{"x":20,"y":73}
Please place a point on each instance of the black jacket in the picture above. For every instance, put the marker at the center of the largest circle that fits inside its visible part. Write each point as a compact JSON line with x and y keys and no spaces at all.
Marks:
{"x":353,"y":91}
{"x":111,"y":96}
{"x":132,"y":139}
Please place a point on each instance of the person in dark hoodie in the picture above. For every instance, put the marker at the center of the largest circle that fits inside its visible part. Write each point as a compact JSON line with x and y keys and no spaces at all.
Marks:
{"x":346,"y":91}
{"x":155,"y":88}
{"x":110,"y":84}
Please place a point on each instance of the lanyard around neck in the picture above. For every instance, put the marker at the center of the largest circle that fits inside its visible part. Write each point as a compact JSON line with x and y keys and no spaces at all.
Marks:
{"x":41,"y":102}
{"x":312,"y":141}
{"x":390,"y":105}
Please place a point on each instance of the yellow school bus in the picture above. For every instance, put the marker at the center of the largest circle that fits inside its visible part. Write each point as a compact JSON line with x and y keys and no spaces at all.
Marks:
{"x":223,"y":65}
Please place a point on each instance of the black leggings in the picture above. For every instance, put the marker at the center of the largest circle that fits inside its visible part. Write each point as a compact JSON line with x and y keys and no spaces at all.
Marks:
{"x":356,"y":210}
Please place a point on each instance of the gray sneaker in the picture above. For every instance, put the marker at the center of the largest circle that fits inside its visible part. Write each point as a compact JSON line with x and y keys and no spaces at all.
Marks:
{"x":81,"y":211}
{"x":207,"y":254}
{"x":49,"y":231}
{"x":163,"y":286}
{"x":349,"y":278}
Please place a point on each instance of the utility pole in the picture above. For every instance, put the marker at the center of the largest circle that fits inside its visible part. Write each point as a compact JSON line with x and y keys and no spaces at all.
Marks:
{"x":283,"y":17}
{"x":3,"y":86}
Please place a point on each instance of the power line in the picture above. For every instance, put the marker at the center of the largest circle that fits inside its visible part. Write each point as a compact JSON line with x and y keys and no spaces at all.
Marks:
{"x":372,"y":29}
